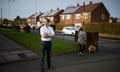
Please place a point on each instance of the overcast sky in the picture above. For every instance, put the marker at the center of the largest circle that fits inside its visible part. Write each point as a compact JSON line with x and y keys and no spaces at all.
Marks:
{"x":24,"y":8}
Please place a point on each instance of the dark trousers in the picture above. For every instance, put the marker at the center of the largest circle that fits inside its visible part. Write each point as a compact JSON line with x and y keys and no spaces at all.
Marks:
{"x":45,"y":48}
{"x":81,"y":47}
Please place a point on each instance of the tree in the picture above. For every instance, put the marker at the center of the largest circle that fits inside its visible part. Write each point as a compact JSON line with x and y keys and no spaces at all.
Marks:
{"x":17,"y":20}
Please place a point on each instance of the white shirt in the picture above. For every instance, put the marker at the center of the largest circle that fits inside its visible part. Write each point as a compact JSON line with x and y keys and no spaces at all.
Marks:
{"x":46,"y":30}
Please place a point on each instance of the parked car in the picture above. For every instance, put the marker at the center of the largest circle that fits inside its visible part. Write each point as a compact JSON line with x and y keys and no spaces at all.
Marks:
{"x":69,"y":30}
{"x":7,"y":25}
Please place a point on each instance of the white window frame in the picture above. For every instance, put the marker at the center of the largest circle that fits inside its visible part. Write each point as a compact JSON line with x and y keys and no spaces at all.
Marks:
{"x":85,"y":15}
{"x":48,"y":17}
{"x":77,"y":16}
{"x":62,"y":17}
{"x":51,"y":18}
{"x":103,"y":16}
{"x":68,"y":17}
{"x":29,"y":20}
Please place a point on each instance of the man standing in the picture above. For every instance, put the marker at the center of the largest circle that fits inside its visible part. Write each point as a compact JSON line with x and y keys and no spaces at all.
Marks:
{"x":46,"y":33}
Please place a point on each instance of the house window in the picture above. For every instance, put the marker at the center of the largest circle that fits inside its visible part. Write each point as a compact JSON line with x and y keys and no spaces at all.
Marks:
{"x":67,"y":17}
{"x":77,"y":16}
{"x":51,"y":18}
{"x":62,"y":17}
{"x":48,"y":17}
{"x":40,"y":19}
{"x":33,"y":17}
{"x":102,"y":16}
{"x":29,"y":20}
{"x":85,"y":15}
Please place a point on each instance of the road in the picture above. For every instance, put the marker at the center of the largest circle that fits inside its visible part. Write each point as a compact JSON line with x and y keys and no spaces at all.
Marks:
{"x":102,"y":42}
{"x":108,"y":43}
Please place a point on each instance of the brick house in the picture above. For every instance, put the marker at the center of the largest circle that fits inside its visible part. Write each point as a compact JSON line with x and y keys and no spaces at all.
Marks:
{"x":53,"y":15}
{"x":34,"y":19}
{"x":31,"y":19}
{"x":67,"y":17}
{"x":87,"y":13}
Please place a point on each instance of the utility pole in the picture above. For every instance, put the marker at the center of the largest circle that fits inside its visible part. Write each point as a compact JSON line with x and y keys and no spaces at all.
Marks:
{"x":83,"y":4}
{"x":1,"y":15}
{"x":35,"y":11}
{"x":83,"y":11}
{"x":9,"y":7}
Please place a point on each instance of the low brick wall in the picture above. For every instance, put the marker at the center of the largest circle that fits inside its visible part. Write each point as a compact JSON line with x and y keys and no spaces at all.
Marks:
{"x":113,"y":36}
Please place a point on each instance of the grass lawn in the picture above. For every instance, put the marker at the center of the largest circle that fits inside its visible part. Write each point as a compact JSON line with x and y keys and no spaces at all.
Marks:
{"x":32,"y":42}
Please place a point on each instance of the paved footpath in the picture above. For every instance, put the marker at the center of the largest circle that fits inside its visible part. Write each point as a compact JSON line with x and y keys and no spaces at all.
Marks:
{"x":11,"y":51}
{"x":70,"y":63}
{"x":100,"y":61}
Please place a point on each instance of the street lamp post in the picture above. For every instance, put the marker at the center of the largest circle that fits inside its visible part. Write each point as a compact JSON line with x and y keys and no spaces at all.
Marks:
{"x":35,"y":10}
{"x":9,"y":8}
{"x":1,"y":15}
{"x":83,"y":5}
{"x":83,"y":10}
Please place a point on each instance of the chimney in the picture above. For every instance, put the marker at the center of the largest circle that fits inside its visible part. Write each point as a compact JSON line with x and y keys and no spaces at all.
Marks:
{"x":51,"y":10}
{"x":58,"y":9}
{"x":78,"y":5}
{"x":90,"y":2}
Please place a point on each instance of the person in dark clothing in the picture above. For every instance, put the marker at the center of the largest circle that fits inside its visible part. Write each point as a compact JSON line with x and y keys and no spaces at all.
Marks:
{"x":27,"y":28}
